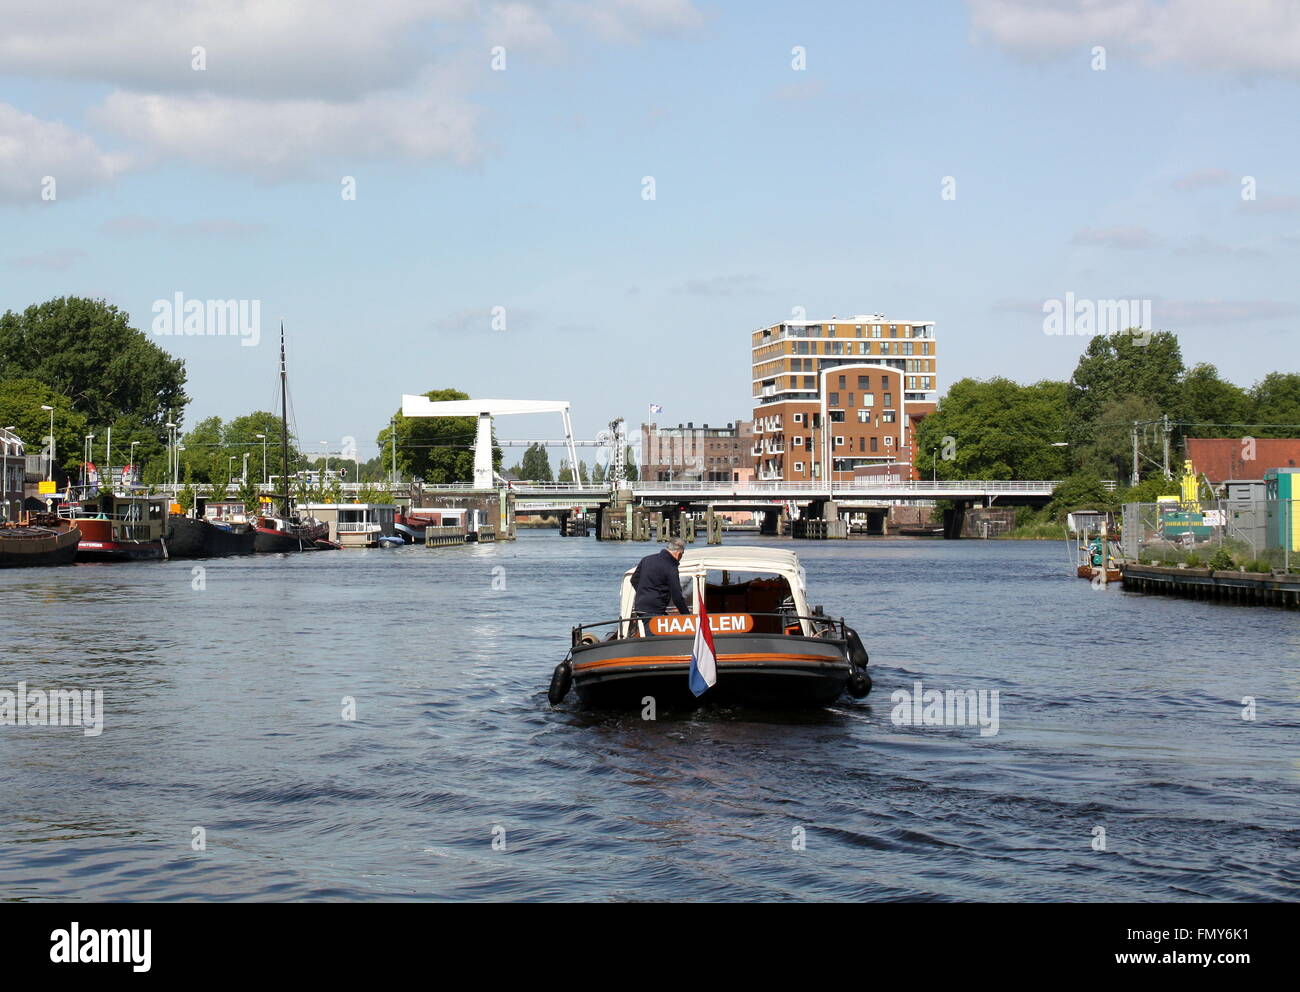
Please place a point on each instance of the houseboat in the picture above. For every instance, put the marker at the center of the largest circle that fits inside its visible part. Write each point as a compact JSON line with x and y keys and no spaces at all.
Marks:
{"x":118,"y":528}
{"x":212,"y":530}
{"x":356,"y":525}
{"x":771,"y":649}
{"x":43,"y":540}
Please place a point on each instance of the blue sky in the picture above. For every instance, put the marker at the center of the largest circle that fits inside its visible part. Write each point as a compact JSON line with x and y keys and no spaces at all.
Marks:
{"x":775,"y":187}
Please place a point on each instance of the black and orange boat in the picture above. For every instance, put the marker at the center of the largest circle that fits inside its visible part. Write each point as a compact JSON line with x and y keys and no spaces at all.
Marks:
{"x":771,"y":650}
{"x":43,"y":539}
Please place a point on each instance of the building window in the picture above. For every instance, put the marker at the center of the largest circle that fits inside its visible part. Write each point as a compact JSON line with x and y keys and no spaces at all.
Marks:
{"x":864,"y":416}
{"x":862,"y":444}
{"x":798,"y":441}
{"x":888,"y":417}
{"x":850,"y":399}
{"x":798,"y":466}
{"x":835,"y":399}
{"x":925,"y":347}
{"x":889,"y":399}
{"x":926,"y":382}
{"x":839,"y":442}
{"x":907,"y":347}
{"x":893,"y":330}
{"x":864,"y":382}
{"x":873,"y":444}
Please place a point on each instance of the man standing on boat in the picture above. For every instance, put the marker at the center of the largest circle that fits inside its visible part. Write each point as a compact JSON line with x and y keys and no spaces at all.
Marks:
{"x":655,"y":581}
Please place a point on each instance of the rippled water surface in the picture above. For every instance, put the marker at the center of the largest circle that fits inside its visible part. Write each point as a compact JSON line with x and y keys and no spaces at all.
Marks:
{"x":223,"y":711}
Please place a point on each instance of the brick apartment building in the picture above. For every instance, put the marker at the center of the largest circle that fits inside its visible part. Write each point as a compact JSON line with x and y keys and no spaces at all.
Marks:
{"x":849,"y":391}
{"x":687,"y":453}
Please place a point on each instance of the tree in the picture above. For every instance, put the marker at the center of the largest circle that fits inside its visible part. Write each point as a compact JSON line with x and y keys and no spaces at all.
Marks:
{"x":566,"y":473}
{"x":88,"y":352}
{"x":1114,"y":366}
{"x":1081,"y":491}
{"x":20,"y":405}
{"x":439,"y":450}
{"x":536,"y":466}
{"x":1275,"y":399}
{"x":629,"y":461}
{"x":1108,"y":452}
{"x":994,"y":429}
{"x":1204,"y":398}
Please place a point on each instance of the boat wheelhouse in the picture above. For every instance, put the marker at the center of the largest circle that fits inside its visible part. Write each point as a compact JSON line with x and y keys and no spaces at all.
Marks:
{"x":771,"y":648}
{"x":356,"y":525}
{"x":118,"y":528}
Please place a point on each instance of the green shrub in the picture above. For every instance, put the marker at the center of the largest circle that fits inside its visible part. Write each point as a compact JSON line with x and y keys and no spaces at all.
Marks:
{"x":1221,"y":560}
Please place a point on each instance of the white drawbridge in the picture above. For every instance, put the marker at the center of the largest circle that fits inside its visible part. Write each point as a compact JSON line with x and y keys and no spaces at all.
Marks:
{"x":485,"y":410}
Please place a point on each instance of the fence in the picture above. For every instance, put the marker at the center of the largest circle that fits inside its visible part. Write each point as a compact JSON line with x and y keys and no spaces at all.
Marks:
{"x":1260,"y":535}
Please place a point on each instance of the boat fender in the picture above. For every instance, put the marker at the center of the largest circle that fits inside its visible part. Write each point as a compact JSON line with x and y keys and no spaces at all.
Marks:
{"x":561,"y":679}
{"x":859,"y":684}
{"x":589,"y":639}
{"x":858,"y":656}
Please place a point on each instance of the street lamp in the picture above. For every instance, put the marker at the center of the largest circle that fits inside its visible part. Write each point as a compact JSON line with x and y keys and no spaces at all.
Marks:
{"x":171,"y":451}
{"x":934,"y":465}
{"x":49,"y":472}
{"x":265,"y":479}
{"x":132,"y":457}
{"x":4,"y":472}
{"x":243,"y":475}
{"x":85,"y":471}
{"x":230,"y":467}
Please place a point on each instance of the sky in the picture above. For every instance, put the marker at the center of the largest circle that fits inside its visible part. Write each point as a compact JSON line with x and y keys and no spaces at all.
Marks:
{"x":598,"y":200}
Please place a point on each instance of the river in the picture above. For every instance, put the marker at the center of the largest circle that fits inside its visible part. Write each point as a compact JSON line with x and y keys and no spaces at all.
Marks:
{"x":1123,"y":766}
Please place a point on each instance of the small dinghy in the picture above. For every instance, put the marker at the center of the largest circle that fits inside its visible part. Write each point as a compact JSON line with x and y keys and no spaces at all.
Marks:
{"x":391,"y":541}
{"x":770,"y":649}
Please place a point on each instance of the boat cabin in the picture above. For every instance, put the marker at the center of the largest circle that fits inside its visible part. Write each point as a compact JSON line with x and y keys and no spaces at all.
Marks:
{"x":355,"y":525}
{"x":111,"y":517}
{"x":758,"y":590}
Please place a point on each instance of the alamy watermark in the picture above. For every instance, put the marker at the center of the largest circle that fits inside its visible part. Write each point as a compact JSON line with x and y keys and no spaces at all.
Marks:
{"x":921,"y":707}
{"x":1093,"y":317}
{"x":56,"y":708}
{"x":202,"y":318}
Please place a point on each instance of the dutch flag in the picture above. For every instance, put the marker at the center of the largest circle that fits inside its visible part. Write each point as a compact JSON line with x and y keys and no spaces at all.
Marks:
{"x":704,"y":664}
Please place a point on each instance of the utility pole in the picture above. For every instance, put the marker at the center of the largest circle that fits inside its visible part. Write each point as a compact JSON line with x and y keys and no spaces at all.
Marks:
{"x":1165,"y":418}
{"x":1134,"y":482}
{"x":392,"y":436}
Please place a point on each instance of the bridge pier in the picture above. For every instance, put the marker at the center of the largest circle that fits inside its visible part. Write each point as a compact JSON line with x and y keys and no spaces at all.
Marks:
{"x":954,"y":519}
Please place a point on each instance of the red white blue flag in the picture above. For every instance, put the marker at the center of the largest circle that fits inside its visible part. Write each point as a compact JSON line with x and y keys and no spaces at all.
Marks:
{"x":704,"y":663}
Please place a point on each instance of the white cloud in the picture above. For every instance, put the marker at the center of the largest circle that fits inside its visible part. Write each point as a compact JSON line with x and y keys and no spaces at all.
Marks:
{"x":1202,"y":177}
{"x":1249,"y":37}
{"x":281,"y":139}
{"x":1115,"y":237}
{"x":54,"y":261}
{"x":303,"y":48}
{"x":291,"y":89}
{"x":518,"y":26}
{"x":631,"y":20}
{"x":31,"y":149}
{"x":1180,"y":312}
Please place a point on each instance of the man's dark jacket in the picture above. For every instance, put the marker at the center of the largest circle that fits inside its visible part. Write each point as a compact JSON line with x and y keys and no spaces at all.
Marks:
{"x":655,"y":581}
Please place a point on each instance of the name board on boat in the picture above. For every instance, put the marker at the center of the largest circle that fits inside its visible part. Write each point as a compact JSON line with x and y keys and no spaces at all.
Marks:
{"x":719,"y":623}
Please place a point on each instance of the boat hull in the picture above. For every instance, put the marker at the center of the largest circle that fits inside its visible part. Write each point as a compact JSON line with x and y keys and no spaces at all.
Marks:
{"x":1093,"y":571}
{"x":267,"y":541}
{"x":766,"y":670}
{"x":32,"y":546}
{"x":115,"y":551}
{"x":189,"y":538}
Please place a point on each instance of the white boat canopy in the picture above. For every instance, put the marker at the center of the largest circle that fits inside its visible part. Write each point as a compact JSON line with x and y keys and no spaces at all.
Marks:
{"x":696,"y":563}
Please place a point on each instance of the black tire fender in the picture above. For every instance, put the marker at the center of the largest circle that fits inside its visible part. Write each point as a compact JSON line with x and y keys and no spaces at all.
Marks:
{"x":858,"y":656}
{"x":561,"y":680}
